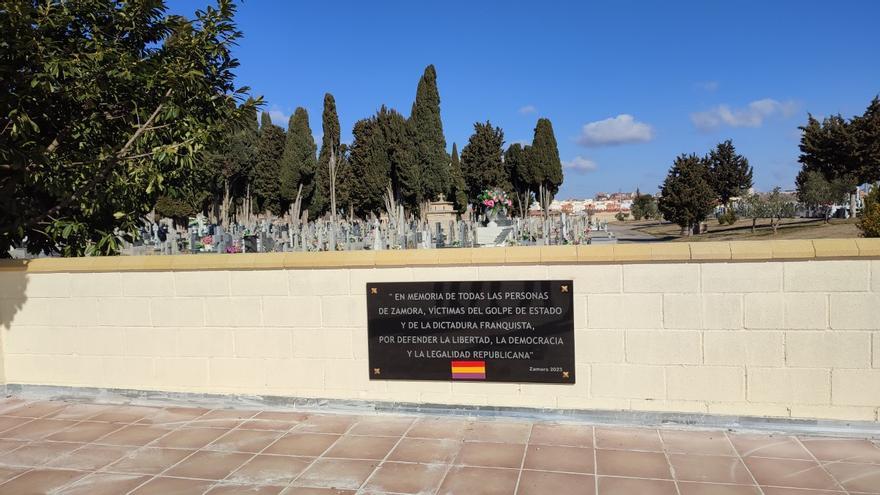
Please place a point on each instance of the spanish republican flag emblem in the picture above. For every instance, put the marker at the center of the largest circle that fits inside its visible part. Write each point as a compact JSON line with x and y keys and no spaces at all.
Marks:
{"x":469,"y":370}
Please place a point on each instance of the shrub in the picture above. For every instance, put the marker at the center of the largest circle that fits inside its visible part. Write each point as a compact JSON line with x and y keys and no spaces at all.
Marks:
{"x":869,"y":222}
{"x":727,"y":218}
{"x":621,"y":216}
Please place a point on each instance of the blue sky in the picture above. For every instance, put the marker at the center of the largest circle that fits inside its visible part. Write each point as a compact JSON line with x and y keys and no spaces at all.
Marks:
{"x":628,"y":85}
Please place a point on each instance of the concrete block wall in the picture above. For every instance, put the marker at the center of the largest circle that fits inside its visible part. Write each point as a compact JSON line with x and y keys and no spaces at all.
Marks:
{"x":795,"y":335}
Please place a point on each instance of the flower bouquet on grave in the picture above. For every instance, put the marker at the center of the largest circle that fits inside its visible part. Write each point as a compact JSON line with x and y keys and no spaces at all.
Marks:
{"x":495,"y":203}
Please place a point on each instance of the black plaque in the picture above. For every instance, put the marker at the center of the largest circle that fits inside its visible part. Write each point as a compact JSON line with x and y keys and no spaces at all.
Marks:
{"x":504,"y":331}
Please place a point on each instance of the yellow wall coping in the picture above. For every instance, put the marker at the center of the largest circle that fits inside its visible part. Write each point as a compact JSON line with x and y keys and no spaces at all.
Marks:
{"x":649,"y":252}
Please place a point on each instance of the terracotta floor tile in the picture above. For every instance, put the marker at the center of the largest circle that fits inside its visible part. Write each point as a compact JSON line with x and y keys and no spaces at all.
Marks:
{"x":36,"y":409}
{"x":231,"y":489}
{"x":10,"y":422}
{"x":299,"y":490}
{"x":173,"y":486}
{"x":488,"y":454}
{"x":344,"y":474}
{"x":632,"y":486}
{"x":105,"y":484}
{"x":209,"y":465}
{"x":326,"y":423}
{"x":790,"y":473}
{"x":406,"y":478}
{"x":425,"y":450}
{"x":37,"y":429}
{"x":498,"y":431}
{"x":189,"y":438}
{"x":713,"y":469}
{"x":90,"y":457}
{"x":251,"y":441}
{"x":124,"y":414}
{"x":772,"y":490}
{"x":40,"y":481}
{"x":633,"y":464}
{"x":289,"y":416}
{"x":566,"y":435}
{"x":689,"y":488}
{"x":10,"y":404}
{"x":697,"y":442}
{"x":78,"y":412}
{"x":362,"y":447}
{"x":769,"y":446}
{"x":542,"y":483}
{"x":87,"y":431}
{"x":270,"y":470}
{"x":628,"y":439}
{"x":221,"y":418}
{"x":267,"y":424}
{"x":135,"y":435}
{"x":7,"y":473}
{"x":381,"y":426}
{"x":173,"y":417}
{"x":304,"y":444}
{"x":556,"y":458}
{"x":9,"y":445}
{"x":37,"y":453}
{"x":856,"y":477}
{"x":148,"y":461}
{"x":438,"y":428}
{"x":485,"y":481}
{"x":843,"y":449}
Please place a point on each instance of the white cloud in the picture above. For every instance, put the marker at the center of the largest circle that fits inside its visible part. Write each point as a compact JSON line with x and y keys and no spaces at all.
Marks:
{"x":527,"y":110}
{"x":580,"y":165}
{"x":709,"y":86}
{"x":279,"y":118}
{"x":752,"y":115}
{"x":615,"y":130}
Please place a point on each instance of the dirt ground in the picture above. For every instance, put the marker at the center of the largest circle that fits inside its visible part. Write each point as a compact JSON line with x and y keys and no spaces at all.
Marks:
{"x":791,"y":228}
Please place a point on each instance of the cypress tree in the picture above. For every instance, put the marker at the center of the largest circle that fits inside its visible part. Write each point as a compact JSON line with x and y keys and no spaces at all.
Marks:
{"x":543,"y":159}
{"x":729,"y":172}
{"x":298,"y":164}
{"x":458,"y":193}
{"x":398,"y":135}
{"x":481,"y":161}
{"x":517,"y":164}
{"x":329,"y":142}
{"x":686,"y":196}
{"x":369,"y":167}
{"x":265,"y":180}
{"x":430,"y":143}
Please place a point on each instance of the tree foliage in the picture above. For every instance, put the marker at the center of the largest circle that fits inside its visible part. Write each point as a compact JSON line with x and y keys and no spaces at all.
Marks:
{"x":430,"y":144}
{"x":729,"y":172}
{"x":869,"y":224}
{"x":521,"y":174}
{"x":481,"y":161}
{"x":299,"y":165}
{"x":330,"y":143}
{"x":817,"y":192}
{"x":104,"y":106}
{"x":369,"y":167}
{"x":543,"y":159}
{"x":686,"y":196}
{"x":265,"y":185}
{"x":458,"y":194}
{"x":644,"y":206}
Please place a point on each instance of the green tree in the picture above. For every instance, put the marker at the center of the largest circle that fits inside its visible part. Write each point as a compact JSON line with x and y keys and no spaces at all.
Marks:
{"x":778,"y":206}
{"x":481,"y":161}
{"x":516,"y":161}
{"x":818,"y":193}
{"x":458,"y":193}
{"x":233,"y":159}
{"x":105,"y":106}
{"x":401,"y":150}
{"x":299,"y":165}
{"x":869,"y":224}
{"x":752,"y":207}
{"x":429,"y":140}
{"x":729,"y":172}
{"x":644,"y":206}
{"x":265,"y":184}
{"x":686,"y":197}
{"x":330,"y":143}
{"x":543,"y":158}
{"x":369,"y":167}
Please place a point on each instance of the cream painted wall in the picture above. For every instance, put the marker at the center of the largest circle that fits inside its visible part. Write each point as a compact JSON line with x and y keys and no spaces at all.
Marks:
{"x":769,"y":338}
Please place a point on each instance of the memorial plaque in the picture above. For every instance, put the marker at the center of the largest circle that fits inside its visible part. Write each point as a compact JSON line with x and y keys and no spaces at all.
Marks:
{"x":503,"y":331}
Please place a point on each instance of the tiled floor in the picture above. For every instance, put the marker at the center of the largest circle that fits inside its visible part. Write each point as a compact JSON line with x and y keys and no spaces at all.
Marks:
{"x":73,"y":448}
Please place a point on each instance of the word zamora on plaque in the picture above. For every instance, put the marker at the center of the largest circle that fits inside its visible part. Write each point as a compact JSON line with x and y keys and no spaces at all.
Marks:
{"x":501,"y":331}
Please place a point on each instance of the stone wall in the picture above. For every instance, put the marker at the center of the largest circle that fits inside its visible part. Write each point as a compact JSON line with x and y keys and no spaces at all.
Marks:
{"x":782,"y":329}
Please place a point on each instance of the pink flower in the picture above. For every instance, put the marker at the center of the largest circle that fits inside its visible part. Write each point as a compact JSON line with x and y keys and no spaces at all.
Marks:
{"x":490,"y":203}
{"x":509,"y":203}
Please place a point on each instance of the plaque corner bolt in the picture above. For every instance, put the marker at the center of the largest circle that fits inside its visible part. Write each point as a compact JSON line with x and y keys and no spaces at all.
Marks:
{"x":377,"y":371}
{"x":563,"y":288}
{"x":565,"y":374}
{"x":374,"y":290}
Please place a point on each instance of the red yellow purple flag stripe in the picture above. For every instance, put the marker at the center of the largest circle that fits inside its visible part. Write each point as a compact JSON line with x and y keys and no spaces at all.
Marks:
{"x":468,"y":370}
